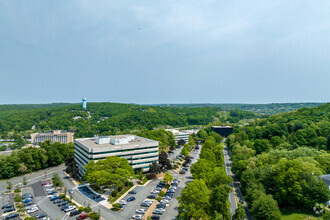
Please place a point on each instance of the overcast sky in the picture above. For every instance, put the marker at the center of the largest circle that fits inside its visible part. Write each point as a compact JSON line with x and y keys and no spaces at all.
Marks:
{"x":164,"y":51}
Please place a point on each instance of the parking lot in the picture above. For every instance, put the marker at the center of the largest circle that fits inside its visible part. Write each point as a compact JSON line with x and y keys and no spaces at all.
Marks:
{"x":4,"y":200}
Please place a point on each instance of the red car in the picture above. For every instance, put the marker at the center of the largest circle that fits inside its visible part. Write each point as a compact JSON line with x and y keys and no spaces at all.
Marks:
{"x":45,"y":183}
{"x":82,"y":216}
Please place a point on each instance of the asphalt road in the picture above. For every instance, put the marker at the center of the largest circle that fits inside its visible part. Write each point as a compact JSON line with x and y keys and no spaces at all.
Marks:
{"x":235,"y":196}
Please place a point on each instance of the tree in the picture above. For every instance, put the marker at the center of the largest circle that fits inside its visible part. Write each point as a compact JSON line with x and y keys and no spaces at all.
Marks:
{"x":9,"y":185}
{"x":194,"y":200}
{"x":112,"y":171}
{"x":94,"y":216}
{"x":219,"y":200}
{"x":265,"y":207}
{"x":181,"y":142}
{"x":24,"y":181}
{"x":239,"y":213}
{"x":164,"y":162}
{"x":155,"y":168}
{"x":203,"y":169}
{"x":184,"y":151}
{"x":167,"y":177}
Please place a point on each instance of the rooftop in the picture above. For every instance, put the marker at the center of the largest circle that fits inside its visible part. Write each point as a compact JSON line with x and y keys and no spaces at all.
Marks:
{"x":115,"y":141}
{"x":222,"y":126}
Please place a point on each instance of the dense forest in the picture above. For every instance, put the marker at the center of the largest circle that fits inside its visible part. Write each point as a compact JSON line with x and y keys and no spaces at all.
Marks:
{"x":279,"y":159}
{"x":104,"y":118}
{"x":266,"y":109}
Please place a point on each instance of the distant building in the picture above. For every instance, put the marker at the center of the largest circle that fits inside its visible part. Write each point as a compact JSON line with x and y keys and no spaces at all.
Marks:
{"x":178,"y":135}
{"x":54,"y":136}
{"x":223,"y":130}
{"x":326,"y":179}
{"x":84,"y":102}
{"x":140,"y":152}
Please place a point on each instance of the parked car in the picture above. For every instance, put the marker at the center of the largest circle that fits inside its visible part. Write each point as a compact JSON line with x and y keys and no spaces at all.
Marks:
{"x":27,"y":195}
{"x":11,"y":209}
{"x":57,"y":201}
{"x":161,"y":205}
{"x":45,"y":183}
{"x":151,"y":197}
{"x":34,"y":209}
{"x":155,"y":191}
{"x":155,"y":217}
{"x":29,"y":203}
{"x":165,"y":201}
{"x":122,"y":202}
{"x":31,"y":206}
{"x":42,"y":216}
{"x":7,"y":206}
{"x":54,"y":198}
{"x":157,"y":211}
{"x":131,"y":199}
{"x":167,"y":198}
{"x":137,"y":217}
{"x":48,"y":185}
{"x":14,"y":215}
{"x":64,"y":207}
{"x":82,"y":216}
{"x":51,"y":192}
{"x":145,"y":204}
{"x":62,"y":203}
{"x":140,"y":211}
{"x":75,"y":212}
{"x":27,"y":200}
{"x":71,"y":207}
{"x":132,"y":192}
{"x":70,"y":191}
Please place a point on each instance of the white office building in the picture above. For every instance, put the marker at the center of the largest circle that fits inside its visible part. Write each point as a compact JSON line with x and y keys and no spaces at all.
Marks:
{"x":140,"y":152}
{"x":178,"y":135}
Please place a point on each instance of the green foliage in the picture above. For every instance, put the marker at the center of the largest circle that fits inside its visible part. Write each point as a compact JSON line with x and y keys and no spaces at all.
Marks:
{"x":265,"y":208}
{"x":32,"y":159}
{"x":159,"y":198}
{"x":9,"y":185}
{"x":155,"y":168}
{"x":18,"y":198}
{"x":57,"y":181}
{"x":161,"y":193}
{"x":17,"y":190}
{"x":239,"y":213}
{"x":185,"y":151}
{"x":94,"y":216}
{"x":194,"y":199}
{"x":282,"y":156}
{"x":81,"y":208}
{"x":167,"y":177}
{"x":87,"y":209}
{"x":164,"y":137}
{"x":116,"y":205}
{"x":112,"y":171}
{"x":30,"y":218}
{"x":114,"y":193}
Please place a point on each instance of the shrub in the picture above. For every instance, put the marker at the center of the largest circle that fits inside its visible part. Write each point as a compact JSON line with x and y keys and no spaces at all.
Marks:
{"x":116,"y":205}
{"x":115,"y":209}
{"x":18,"y":198}
{"x":120,"y":188}
{"x":62,"y":196}
{"x":114,"y":193}
{"x":130,"y":184}
{"x":29,"y":218}
{"x":94,"y":216}
{"x":151,"y":176}
{"x":162,"y":193}
{"x":17,"y":190}
{"x":159,"y":199}
{"x":19,"y":206}
{"x":167,"y":186}
{"x":88,"y":209}
{"x":81,"y":208}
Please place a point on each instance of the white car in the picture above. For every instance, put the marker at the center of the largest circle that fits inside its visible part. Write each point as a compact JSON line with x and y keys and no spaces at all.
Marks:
{"x":147,"y":201}
{"x":31,"y":206}
{"x":123,"y":202}
{"x":160,"y":209}
{"x":48,"y":185}
{"x":173,"y":187}
{"x":34,"y":209}
{"x":50,"y":189}
{"x":140,"y":211}
{"x":137,"y":217}
{"x":70,"y":208}
{"x":165,"y":201}
{"x":155,"y":191}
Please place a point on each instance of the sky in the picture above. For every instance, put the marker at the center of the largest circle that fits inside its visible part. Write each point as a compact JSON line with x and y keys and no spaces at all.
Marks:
{"x":151,"y":52}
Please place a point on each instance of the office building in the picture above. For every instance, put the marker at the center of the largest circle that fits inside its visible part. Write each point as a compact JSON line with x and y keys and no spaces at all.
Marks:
{"x":223,"y":130}
{"x":63,"y":137}
{"x":178,"y":135}
{"x":140,"y":152}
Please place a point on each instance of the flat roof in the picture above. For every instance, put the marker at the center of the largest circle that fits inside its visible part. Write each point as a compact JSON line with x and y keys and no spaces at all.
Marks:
{"x":222,"y":126}
{"x":137,"y":141}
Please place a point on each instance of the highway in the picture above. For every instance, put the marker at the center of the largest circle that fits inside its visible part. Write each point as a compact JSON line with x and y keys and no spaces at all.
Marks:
{"x":235,"y":196}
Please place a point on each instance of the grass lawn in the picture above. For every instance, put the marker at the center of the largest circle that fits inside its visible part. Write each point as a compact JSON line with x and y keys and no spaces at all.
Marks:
{"x":297,"y":215}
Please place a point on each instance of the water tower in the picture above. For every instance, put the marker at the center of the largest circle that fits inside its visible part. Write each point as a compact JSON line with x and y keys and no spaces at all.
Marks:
{"x":84,"y":101}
